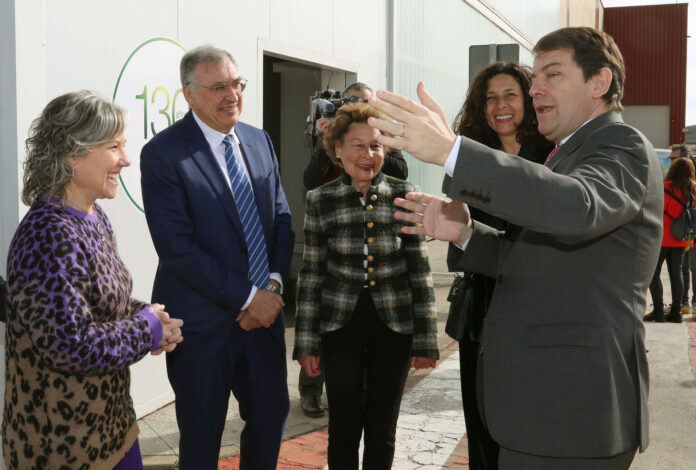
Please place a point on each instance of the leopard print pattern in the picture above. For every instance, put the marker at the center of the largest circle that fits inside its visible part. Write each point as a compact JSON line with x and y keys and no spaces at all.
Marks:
{"x":72,"y":331}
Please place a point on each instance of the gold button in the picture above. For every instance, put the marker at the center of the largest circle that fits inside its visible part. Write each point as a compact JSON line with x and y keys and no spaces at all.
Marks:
{"x":370,"y":258}
{"x":370,"y":270}
{"x":370,"y":224}
{"x":373,"y":198}
{"x":370,"y":240}
{"x":372,"y":283}
{"x":369,"y":207}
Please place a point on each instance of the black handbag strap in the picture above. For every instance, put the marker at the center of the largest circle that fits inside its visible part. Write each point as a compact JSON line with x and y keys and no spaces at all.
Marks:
{"x":688,"y":205}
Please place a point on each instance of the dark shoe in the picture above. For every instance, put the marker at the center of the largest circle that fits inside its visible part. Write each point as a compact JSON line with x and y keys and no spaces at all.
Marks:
{"x":674,"y":317}
{"x":311,"y":406}
{"x":656,"y":317}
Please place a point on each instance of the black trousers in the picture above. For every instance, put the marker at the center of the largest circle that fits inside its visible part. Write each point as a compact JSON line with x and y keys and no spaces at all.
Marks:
{"x":364,"y":357}
{"x":483,"y":450}
{"x":674,"y":256}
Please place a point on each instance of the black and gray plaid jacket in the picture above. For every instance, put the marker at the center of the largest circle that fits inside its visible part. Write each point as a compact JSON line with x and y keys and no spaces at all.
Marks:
{"x":337,"y":227}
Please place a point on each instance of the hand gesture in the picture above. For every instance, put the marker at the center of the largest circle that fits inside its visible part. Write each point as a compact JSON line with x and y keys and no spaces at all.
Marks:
{"x":171,"y":330}
{"x":435,"y":217}
{"x":322,"y":123}
{"x":422,"y":363}
{"x":423,"y":132}
{"x":310,"y":364}
{"x":262,"y":311}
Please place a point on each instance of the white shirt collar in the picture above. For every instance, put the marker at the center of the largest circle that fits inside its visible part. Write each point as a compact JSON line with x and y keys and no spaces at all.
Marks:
{"x":213,"y":137}
{"x":564,"y":140}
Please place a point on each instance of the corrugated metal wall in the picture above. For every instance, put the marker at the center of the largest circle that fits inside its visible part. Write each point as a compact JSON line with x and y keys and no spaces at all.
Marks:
{"x":653,"y":42}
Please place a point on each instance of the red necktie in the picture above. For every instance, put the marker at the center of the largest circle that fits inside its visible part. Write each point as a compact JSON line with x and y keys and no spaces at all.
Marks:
{"x":551,"y":154}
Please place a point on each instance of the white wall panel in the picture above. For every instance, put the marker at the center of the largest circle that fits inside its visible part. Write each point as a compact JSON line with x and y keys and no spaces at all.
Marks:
{"x":432,"y":45}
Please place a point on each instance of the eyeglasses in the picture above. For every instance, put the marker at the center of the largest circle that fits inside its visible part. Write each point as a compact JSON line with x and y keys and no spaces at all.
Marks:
{"x":219,"y":89}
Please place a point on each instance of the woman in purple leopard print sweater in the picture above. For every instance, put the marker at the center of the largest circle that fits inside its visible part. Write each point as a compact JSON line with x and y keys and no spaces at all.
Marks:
{"x":72,"y":327}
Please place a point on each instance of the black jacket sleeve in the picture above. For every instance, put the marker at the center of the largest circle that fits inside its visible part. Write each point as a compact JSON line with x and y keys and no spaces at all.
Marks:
{"x":319,"y":167}
{"x":395,"y":165}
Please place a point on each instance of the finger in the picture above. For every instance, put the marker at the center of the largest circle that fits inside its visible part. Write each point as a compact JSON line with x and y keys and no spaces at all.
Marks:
{"x":411,"y":217}
{"x":157,"y":352}
{"x":240,"y":316}
{"x":419,"y":196}
{"x":391,"y":142}
{"x":395,"y":105}
{"x":174,"y":336}
{"x":413,"y":230}
{"x":428,"y":101}
{"x":415,"y":206}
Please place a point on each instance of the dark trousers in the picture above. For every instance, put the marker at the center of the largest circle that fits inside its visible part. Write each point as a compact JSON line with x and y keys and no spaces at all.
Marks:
{"x":674,"y":256}
{"x":689,"y":275}
{"x":686,"y":278}
{"x":513,"y":460}
{"x":364,"y":357}
{"x":483,"y":450}
{"x":251,"y":365}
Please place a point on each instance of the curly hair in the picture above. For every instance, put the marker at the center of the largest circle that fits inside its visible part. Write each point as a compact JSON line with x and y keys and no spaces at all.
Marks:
{"x":471,"y":121}
{"x":71,"y":125}
{"x":338,"y":127}
{"x":681,"y":175}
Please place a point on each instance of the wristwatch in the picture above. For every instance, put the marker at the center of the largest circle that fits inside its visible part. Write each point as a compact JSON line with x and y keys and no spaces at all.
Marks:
{"x":274,"y":289}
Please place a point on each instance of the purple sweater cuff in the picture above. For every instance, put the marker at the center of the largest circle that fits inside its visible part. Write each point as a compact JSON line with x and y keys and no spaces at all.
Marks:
{"x":155,"y":326}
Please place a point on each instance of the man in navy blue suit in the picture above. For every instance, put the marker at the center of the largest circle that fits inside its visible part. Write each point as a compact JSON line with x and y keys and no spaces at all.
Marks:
{"x":220,"y":223}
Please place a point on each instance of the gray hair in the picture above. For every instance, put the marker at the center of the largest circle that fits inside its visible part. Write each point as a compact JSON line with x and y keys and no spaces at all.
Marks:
{"x":357,"y":86}
{"x":206,"y":53}
{"x":71,"y":125}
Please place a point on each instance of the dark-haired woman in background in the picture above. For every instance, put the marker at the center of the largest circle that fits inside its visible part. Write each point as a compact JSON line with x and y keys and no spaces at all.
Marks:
{"x":680,"y":188}
{"x":498,"y":112}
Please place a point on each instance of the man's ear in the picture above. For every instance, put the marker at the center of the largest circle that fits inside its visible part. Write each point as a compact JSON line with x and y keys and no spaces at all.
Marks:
{"x":601,"y":81}
{"x":187,"y":93}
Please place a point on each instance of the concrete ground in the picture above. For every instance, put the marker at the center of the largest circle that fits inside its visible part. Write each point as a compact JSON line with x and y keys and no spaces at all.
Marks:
{"x":431,"y":433}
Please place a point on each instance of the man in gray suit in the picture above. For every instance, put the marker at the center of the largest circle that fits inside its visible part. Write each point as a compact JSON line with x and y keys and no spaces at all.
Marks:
{"x":564,"y":375}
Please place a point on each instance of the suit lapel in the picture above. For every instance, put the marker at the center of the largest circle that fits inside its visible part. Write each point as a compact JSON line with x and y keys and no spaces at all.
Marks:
{"x":204,"y":158}
{"x":254,"y":158}
{"x":581,"y":135}
{"x":248,"y":145}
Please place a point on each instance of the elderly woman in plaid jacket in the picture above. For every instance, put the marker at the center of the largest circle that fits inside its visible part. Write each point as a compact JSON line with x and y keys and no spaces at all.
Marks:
{"x":365,"y":307}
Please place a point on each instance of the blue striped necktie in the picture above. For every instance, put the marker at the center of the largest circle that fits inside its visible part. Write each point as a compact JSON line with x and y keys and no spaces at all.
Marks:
{"x":249,"y":215}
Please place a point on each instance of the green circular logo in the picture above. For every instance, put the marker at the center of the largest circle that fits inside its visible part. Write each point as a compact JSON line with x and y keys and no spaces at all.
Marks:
{"x":148,"y":87}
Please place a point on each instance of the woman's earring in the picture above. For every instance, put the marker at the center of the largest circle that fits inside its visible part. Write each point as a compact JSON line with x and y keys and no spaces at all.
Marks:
{"x":72,"y":172}
{"x":338,"y":157}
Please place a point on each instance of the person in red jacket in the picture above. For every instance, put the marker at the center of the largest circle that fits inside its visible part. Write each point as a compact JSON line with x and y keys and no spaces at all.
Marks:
{"x":680,"y":190}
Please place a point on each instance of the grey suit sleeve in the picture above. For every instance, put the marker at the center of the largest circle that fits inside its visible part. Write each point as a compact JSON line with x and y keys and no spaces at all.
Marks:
{"x":481,"y":253}
{"x":598,"y":187}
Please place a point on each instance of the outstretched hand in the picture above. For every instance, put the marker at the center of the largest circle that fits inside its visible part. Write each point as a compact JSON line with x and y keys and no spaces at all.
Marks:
{"x":435,"y":217}
{"x":421,"y":130}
